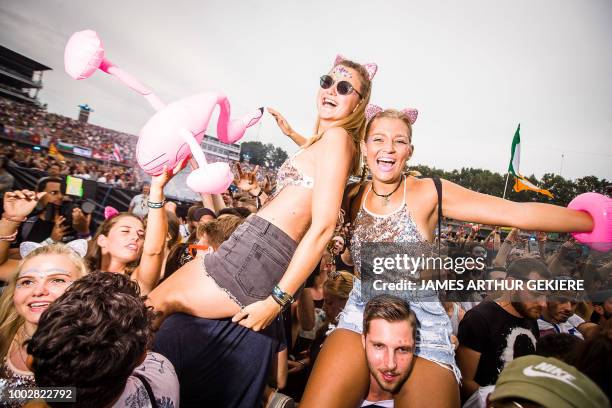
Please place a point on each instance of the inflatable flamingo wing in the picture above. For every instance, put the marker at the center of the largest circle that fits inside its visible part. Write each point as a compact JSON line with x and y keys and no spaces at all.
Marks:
{"x":175,"y":131}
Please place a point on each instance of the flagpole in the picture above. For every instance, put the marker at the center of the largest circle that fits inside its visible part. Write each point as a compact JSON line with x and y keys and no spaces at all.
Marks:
{"x":506,"y":186}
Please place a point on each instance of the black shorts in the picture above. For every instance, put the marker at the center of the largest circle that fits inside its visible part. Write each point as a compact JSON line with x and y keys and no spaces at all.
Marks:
{"x":251,"y":261}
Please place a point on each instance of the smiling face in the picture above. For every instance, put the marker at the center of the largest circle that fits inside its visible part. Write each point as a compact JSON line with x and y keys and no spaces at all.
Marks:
{"x":331,"y":105}
{"x":389,"y":348}
{"x":387,"y":148}
{"x":42,"y":279}
{"x":124,"y":240}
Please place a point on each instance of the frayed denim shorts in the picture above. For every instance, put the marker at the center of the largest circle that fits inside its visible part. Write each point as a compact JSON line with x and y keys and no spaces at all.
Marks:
{"x":433,"y":340}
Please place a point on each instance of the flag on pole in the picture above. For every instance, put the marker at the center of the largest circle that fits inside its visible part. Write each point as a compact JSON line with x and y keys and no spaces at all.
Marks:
{"x":520,"y":182}
{"x":117,"y":153}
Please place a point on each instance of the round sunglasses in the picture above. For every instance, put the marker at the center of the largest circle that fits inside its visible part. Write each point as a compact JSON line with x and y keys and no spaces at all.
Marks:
{"x":343,"y":87}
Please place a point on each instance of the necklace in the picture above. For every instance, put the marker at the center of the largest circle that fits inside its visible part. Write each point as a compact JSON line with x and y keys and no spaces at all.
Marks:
{"x":386,"y":197}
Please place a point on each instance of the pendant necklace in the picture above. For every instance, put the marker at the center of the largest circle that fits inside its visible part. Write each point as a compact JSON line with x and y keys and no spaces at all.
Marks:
{"x":386,"y":198}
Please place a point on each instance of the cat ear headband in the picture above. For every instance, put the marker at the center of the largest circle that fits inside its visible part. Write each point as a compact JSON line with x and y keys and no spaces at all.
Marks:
{"x":370,"y":67}
{"x":373,"y":110}
{"x":78,"y":245}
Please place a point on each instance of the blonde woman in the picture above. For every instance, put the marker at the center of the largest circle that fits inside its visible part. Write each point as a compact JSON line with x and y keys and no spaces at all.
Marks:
{"x":259,"y":269}
{"x":41,"y":277}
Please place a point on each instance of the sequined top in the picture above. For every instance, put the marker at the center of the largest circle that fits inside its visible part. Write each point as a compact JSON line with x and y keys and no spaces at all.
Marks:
{"x":396,"y":227}
{"x":288,"y":174}
{"x":11,"y":378}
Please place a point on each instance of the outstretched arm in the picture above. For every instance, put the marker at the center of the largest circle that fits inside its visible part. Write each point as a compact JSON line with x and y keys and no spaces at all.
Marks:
{"x":466,"y":205}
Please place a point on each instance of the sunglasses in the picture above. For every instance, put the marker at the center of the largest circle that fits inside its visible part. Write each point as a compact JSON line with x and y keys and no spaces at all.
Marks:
{"x":343,"y":87}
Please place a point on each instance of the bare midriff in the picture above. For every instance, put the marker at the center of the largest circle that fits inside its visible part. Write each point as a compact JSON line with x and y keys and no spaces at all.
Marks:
{"x":290,"y":210}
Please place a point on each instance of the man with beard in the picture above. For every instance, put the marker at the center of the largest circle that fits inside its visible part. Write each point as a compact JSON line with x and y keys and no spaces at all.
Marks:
{"x":558,"y":316}
{"x":389,"y":338}
{"x":494,"y":333}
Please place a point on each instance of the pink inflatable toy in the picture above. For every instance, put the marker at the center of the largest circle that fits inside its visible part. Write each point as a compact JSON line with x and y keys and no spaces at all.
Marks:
{"x":599,"y":208}
{"x":176,"y":130}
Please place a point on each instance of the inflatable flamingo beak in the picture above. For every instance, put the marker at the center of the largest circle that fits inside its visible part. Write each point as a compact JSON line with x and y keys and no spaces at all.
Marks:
{"x":83,"y":54}
{"x":237,"y":127}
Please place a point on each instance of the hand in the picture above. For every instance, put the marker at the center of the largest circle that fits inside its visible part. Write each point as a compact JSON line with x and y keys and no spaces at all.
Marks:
{"x":159,"y":182}
{"x":513,"y":236}
{"x":59,"y":229}
{"x":281,"y":122}
{"x":246,"y":180}
{"x":19,"y":204}
{"x":268,"y":186}
{"x":80,"y":221}
{"x":295,"y":367}
{"x":258,"y":315}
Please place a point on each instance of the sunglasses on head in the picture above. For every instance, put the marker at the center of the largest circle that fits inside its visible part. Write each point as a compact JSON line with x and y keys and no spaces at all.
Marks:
{"x":343,"y":87}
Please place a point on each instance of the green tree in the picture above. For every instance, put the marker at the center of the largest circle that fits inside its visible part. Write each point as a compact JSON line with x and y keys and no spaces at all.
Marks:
{"x":263,"y":155}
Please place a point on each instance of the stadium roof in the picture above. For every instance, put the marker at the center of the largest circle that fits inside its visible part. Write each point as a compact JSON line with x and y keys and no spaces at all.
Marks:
{"x":16,"y":58}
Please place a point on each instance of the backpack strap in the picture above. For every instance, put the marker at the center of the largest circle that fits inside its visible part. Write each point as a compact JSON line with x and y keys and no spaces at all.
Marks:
{"x":147,"y":386}
{"x":438,"y":185}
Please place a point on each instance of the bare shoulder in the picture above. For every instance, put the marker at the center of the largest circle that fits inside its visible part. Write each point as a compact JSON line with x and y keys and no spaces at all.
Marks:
{"x":335,"y":137}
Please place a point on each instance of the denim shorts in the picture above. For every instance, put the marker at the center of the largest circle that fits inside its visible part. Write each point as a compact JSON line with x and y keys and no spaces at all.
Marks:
{"x":251,"y":261}
{"x":433,"y":340}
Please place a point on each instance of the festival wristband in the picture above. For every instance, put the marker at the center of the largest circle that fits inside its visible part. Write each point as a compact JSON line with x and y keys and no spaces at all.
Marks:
{"x":156,"y":205}
{"x":282,"y":298}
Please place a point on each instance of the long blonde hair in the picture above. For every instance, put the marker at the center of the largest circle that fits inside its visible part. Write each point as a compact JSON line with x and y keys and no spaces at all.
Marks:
{"x":355,"y":123}
{"x":10,"y":320}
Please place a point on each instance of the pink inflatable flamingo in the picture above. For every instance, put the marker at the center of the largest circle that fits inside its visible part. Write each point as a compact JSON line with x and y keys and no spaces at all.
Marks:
{"x":176,"y":130}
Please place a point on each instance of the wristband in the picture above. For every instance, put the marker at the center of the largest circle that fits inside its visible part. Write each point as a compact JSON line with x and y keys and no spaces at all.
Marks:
{"x":156,"y":205}
{"x":282,"y":298}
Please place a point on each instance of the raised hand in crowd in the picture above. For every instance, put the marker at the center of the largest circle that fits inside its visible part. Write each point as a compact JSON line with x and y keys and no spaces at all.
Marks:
{"x":80,"y":221}
{"x":286,"y":128}
{"x":504,"y":250}
{"x":59,"y":228}
{"x":246,"y":180}
{"x":17,"y":206}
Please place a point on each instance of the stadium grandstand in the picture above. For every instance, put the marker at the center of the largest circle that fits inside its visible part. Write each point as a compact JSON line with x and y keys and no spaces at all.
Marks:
{"x":20,"y":76}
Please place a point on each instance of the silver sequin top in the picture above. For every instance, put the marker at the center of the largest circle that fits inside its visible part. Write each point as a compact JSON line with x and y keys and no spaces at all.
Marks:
{"x":288,"y":174}
{"x":396,"y":227}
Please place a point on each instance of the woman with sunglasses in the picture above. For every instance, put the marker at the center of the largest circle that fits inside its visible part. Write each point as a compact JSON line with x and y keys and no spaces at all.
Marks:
{"x":256,"y":273}
{"x":403,"y":209}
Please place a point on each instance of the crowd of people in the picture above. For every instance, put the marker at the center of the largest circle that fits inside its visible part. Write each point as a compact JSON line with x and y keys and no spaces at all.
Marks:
{"x":263,"y":296}
{"x":31,"y":123}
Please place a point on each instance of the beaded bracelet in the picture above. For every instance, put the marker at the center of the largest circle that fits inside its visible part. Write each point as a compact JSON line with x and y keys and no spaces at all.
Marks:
{"x":156,"y":205}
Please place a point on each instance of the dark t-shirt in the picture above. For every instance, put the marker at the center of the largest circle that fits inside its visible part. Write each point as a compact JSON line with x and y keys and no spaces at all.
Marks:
{"x":218,"y":363}
{"x":498,"y":336}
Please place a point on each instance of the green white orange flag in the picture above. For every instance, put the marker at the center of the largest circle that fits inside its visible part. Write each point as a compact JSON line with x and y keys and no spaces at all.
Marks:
{"x":520,"y":182}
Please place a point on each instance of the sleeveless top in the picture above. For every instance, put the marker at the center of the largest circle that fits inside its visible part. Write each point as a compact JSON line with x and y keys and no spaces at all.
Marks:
{"x":396,"y":227}
{"x":288,"y":174}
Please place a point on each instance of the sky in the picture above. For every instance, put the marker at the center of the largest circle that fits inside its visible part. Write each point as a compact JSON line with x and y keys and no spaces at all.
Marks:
{"x":474,"y":69}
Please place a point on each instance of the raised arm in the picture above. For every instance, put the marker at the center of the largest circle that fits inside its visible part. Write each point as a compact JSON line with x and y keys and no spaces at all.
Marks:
{"x":148,"y":272}
{"x":17,"y":206}
{"x":332,"y":167}
{"x":466,"y":205}
{"x":286,"y":128}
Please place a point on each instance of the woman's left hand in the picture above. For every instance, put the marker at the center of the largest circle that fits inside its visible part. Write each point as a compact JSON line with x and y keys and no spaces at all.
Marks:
{"x":159,"y":182}
{"x":258,"y":315}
